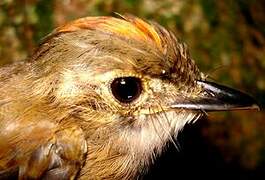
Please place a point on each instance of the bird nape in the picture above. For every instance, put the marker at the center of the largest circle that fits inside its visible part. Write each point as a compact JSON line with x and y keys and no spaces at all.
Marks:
{"x":100,"y":98}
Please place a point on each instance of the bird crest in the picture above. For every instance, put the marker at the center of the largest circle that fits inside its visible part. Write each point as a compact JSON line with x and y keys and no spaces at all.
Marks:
{"x":127,"y":26}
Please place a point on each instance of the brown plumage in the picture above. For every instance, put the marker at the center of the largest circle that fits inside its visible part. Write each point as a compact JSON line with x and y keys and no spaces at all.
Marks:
{"x":99,"y":99}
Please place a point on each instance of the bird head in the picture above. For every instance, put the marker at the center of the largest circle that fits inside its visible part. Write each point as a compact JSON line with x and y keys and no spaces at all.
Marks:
{"x":131,"y":85}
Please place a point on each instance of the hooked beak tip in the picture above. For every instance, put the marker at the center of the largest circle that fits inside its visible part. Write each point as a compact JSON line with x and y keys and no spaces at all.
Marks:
{"x":255,"y":107}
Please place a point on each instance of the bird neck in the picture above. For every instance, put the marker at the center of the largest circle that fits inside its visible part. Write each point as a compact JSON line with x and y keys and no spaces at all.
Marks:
{"x":108,"y":162}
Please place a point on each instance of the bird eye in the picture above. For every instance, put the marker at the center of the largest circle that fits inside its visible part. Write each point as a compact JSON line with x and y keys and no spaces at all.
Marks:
{"x":126,"y":89}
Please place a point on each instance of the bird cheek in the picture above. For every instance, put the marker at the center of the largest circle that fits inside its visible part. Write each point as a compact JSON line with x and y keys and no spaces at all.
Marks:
{"x":67,"y":87}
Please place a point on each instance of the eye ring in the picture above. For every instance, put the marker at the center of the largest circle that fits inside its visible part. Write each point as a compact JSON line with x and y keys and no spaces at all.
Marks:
{"x":126,"y":89}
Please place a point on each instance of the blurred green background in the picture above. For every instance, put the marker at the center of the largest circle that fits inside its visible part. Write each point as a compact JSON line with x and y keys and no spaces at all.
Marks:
{"x":226,"y":39}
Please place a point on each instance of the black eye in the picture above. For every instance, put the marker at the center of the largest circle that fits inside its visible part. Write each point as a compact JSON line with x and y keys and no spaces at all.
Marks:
{"x":126,"y":89}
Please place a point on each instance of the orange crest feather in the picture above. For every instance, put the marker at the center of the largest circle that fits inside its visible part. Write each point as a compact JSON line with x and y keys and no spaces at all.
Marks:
{"x":128,"y":26}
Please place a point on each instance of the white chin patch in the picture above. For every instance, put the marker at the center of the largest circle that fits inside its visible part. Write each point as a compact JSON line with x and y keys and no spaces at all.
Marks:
{"x":151,"y":132}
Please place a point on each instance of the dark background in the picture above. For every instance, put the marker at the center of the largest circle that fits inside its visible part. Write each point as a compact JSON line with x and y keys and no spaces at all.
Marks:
{"x":227,"y":41}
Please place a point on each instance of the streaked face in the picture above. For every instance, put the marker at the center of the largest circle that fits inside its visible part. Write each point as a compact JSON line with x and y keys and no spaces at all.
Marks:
{"x":133,"y":78}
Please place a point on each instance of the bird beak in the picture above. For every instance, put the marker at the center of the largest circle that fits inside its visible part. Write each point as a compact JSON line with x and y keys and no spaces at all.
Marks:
{"x":215,"y":97}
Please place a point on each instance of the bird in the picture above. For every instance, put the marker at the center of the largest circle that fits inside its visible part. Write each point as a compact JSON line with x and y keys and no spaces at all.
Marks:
{"x":100,"y":98}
